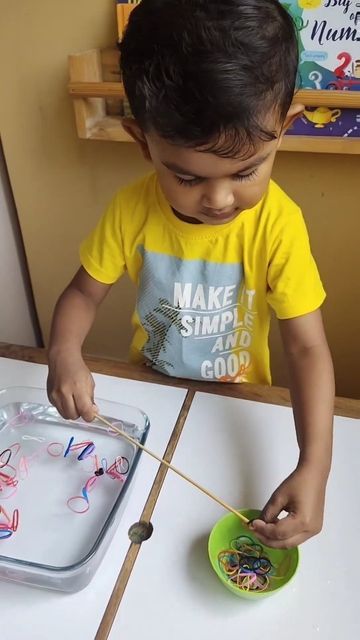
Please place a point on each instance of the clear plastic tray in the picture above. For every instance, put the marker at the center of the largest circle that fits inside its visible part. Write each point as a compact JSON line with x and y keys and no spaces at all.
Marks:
{"x":53,"y":547}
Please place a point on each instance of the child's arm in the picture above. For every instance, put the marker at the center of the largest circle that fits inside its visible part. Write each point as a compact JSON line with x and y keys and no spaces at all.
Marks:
{"x":302,"y":494}
{"x":70,"y":384}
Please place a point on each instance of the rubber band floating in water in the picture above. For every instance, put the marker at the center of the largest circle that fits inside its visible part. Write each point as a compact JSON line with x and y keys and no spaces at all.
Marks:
{"x":8,"y":483}
{"x":27,"y":437}
{"x":87,"y":451}
{"x":117,"y":471}
{"x":26,"y":461}
{"x":76,"y":503}
{"x":245,"y":565}
{"x":7,"y":453}
{"x":7,"y":491}
{"x":5,"y":457}
{"x":10,"y":526}
{"x":99,"y":471}
{"x":87,"y":448}
{"x":10,"y":475}
{"x":6,"y":479}
{"x":20,"y":419}
{"x":57,"y":452}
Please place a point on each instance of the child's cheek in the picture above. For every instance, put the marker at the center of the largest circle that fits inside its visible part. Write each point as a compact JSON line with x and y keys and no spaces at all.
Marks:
{"x":186,"y":199}
{"x":248,"y":195}
{"x":182,"y":198}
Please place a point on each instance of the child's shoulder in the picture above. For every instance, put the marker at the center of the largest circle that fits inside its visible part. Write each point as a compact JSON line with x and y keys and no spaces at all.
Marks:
{"x":281,"y":217}
{"x":278,"y":212}
{"x":278,"y":203}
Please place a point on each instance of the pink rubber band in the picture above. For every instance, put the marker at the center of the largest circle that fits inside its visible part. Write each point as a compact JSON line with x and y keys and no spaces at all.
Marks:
{"x":12,"y":446}
{"x":9,"y":481}
{"x":9,"y":495}
{"x":6,"y":515}
{"x":15,"y":520}
{"x":70,"y":500}
{"x":59,"y":452}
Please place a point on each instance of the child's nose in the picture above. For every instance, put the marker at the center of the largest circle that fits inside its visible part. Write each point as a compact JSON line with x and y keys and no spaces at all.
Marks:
{"x":218,"y":196}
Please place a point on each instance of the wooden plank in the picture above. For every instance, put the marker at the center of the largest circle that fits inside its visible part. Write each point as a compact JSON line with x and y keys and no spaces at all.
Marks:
{"x":109,"y":128}
{"x":347,"y":407}
{"x":86,"y":67}
{"x":85,"y":89}
{"x":123,"y":12}
{"x":314,"y":144}
{"x":322,"y":98}
{"x":126,"y":569}
{"x":310,"y":98}
{"x":110,"y":64}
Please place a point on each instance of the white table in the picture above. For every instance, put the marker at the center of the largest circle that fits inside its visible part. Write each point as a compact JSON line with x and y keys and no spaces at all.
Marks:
{"x":33,"y":614}
{"x":241,"y":450}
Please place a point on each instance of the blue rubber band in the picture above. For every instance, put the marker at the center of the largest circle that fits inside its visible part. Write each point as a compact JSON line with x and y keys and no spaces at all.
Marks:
{"x":5,"y":533}
{"x":87,"y":451}
{"x":69,"y":446}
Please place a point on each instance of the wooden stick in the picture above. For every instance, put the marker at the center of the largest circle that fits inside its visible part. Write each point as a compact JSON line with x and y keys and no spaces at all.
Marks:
{"x":170,"y":466}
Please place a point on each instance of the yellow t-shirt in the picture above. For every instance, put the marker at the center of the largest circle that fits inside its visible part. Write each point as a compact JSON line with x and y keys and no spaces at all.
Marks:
{"x":204,"y":291}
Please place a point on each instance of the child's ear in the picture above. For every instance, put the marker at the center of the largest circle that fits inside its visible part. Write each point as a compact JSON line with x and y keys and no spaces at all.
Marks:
{"x":134,"y":130}
{"x":295,"y":111}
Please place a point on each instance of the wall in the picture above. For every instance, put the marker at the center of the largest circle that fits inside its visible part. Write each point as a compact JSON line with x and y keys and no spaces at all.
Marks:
{"x":61,"y":184}
{"x":17,"y":323}
{"x":327,"y":188}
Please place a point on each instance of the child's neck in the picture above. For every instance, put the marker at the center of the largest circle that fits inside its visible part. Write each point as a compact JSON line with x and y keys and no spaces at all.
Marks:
{"x":180,"y":216}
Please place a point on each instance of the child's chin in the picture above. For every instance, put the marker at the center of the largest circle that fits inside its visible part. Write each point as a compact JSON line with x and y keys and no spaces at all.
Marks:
{"x":216,"y":220}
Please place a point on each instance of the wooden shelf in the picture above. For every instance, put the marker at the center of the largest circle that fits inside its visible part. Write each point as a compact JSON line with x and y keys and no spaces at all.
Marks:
{"x":98,"y":95}
{"x":109,"y":128}
{"x":99,"y":103}
{"x":314,"y":144}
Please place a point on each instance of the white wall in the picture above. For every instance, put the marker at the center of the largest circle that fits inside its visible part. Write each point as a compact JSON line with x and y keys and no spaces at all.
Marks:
{"x":16,"y":311}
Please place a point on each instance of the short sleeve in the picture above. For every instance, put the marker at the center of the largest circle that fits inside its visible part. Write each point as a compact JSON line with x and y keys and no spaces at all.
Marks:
{"x":294,"y":284}
{"x":101,"y":253}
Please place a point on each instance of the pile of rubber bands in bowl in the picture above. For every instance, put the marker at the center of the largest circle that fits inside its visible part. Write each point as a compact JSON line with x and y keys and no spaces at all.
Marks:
{"x":245,"y":565}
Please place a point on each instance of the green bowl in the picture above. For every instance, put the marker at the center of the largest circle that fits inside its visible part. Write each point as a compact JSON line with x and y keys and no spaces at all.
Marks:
{"x":284,"y":560}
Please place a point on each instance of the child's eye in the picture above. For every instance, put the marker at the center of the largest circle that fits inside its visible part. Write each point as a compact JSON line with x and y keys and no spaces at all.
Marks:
{"x":191,"y":182}
{"x":188,"y":182}
{"x":247,"y":176}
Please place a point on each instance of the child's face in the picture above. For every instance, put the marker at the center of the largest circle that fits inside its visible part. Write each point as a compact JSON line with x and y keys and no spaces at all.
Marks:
{"x":204,"y":188}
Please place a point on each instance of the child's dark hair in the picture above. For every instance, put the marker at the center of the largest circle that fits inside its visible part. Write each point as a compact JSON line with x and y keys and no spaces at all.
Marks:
{"x":217,"y":75}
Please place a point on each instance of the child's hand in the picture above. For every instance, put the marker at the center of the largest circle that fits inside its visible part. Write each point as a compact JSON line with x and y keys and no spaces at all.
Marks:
{"x":70,"y":387}
{"x":302,"y":495}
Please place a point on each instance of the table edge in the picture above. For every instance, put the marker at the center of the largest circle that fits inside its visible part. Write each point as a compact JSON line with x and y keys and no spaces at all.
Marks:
{"x":347,"y":407}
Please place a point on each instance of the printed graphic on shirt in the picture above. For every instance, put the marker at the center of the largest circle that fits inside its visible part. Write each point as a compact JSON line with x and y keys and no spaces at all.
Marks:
{"x":198,"y":316}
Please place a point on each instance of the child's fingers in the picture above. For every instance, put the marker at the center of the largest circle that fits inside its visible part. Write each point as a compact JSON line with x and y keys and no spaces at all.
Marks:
{"x":280,"y":531}
{"x":289,"y":543}
{"x":85,"y":406}
{"x":66,"y":406}
{"x":274,"y":507}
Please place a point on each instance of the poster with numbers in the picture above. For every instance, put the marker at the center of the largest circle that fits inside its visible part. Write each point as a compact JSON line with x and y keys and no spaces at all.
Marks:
{"x":329,"y":47}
